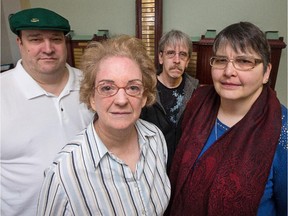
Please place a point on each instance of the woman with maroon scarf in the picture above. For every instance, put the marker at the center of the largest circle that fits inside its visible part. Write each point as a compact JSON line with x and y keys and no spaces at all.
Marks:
{"x":232,"y":156}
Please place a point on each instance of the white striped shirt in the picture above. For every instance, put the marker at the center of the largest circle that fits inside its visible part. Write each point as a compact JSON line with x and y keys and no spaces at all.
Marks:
{"x":87,"y":179}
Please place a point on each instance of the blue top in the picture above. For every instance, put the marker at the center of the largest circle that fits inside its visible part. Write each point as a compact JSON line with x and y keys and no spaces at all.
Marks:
{"x":274,"y":199}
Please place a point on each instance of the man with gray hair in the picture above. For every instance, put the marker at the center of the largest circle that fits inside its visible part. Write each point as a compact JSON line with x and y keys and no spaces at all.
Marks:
{"x":174,"y":88}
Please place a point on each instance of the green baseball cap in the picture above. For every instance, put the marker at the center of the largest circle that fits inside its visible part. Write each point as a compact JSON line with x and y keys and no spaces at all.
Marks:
{"x":38,"y":19}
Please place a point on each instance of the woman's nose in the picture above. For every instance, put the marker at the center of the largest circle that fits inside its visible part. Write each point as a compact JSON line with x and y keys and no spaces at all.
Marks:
{"x":230,"y":70}
{"x":121,"y":96}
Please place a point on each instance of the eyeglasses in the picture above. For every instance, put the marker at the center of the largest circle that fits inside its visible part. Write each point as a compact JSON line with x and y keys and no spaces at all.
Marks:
{"x":133,"y":88}
{"x":171,"y":53}
{"x":239,"y":63}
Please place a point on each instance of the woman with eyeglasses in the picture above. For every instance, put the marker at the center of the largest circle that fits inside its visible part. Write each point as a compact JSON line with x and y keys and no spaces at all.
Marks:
{"x":232,"y":155}
{"x":117,"y":166}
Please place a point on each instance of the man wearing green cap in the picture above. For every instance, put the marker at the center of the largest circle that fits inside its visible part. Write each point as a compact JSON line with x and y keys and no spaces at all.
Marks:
{"x":40,"y":108}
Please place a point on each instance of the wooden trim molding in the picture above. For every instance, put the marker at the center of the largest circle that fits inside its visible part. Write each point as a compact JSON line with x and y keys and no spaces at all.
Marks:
{"x":149,"y":25}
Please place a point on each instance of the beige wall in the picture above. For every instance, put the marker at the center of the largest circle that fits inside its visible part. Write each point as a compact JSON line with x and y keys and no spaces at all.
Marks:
{"x":192,"y":16}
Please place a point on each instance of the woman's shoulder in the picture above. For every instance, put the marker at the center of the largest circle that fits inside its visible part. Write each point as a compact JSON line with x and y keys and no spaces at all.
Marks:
{"x":146,"y":126}
{"x":284,"y":130}
{"x":148,"y":129}
{"x":284,"y":111}
{"x":71,"y":149}
{"x":284,"y":120}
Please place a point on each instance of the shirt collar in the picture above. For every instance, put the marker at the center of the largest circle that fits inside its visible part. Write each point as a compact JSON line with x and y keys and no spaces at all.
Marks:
{"x":31,"y":89}
{"x":98,"y":149}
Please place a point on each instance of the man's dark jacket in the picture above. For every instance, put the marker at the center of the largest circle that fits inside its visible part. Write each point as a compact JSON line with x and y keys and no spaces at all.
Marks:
{"x":156,"y":114}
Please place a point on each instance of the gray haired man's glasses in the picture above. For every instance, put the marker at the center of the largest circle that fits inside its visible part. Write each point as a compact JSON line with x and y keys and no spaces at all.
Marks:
{"x":171,"y":53}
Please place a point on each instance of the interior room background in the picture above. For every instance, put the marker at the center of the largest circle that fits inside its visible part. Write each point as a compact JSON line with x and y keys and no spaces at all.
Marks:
{"x":193,"y":17}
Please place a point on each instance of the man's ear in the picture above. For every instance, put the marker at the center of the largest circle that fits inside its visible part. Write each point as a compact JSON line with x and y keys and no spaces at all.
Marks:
{"x":160,"y":58}
{"x":19,"y":41}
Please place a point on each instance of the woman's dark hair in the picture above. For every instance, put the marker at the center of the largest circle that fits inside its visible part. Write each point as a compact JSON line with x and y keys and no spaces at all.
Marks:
{"x":244,"y":37}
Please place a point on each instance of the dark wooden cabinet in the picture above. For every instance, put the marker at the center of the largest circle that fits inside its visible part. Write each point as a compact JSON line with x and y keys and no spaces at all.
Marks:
{"x":76,"y":46}
{"x":276,"y":50}
{"x":203,"y":48}
{"x":204,"y":53}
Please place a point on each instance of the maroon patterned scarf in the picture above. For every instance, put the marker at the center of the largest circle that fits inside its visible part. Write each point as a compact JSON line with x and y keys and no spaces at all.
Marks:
{"x":230,"y":177}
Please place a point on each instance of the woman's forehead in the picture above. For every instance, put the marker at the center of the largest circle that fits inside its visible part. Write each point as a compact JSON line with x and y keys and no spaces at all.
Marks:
{"x":236,"y":47}
{"x":118,"y":68}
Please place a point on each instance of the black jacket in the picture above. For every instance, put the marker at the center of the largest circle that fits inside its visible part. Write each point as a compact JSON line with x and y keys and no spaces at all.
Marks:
{"x":156,"y":114}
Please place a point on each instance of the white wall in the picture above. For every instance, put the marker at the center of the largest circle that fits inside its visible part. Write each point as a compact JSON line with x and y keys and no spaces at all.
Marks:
{"x":191,"y":16}
{"x":87,"y":16}
{"x":9,"y":49}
